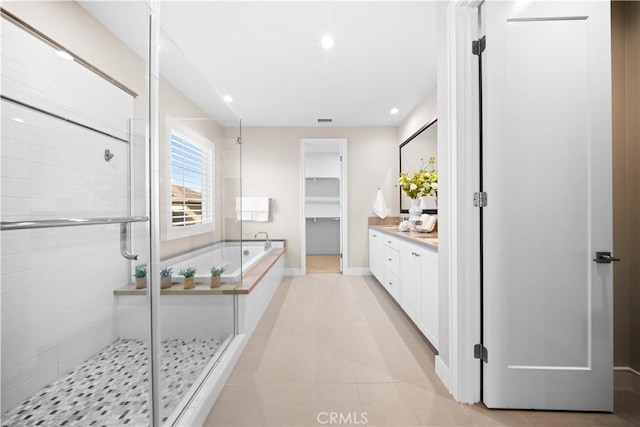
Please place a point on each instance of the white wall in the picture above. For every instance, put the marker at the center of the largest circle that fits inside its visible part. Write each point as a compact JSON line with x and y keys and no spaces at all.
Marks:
{"x":271,"y":168}
{"x":444,"y":197}
{"x":422,"y":114}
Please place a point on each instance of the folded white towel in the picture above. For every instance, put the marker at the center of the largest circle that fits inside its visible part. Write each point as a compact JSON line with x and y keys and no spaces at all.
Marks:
{"x":244,"y":216}
{"x":252,"y":209}
{"x":261,"y":216}
{"x":380,"y":206}
{"x":260,"y":204}
{"x":428,"y":223}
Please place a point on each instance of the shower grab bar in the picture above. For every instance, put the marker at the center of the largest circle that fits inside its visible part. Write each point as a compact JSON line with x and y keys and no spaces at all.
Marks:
{"x":124,"y":221}
{"x":68,"y":222}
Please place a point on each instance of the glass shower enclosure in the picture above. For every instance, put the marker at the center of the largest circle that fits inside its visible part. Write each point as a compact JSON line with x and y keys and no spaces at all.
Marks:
{"x":113,"y":177}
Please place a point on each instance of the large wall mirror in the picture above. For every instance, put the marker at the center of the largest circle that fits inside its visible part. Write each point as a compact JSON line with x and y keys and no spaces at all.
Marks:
{"x":414,"y":153}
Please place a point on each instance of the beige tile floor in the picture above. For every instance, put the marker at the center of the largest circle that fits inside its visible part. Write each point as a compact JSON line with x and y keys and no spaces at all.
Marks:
{"x":332,"y":343}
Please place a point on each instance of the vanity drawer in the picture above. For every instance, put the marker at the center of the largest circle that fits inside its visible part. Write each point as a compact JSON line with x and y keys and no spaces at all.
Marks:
{"x":391,"y":242}
{"x":392,"y":283}
{"x":391,"y":260}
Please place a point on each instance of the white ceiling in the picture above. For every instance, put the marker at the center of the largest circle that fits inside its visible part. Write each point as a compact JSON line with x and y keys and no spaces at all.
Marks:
{"x":267,"y":56}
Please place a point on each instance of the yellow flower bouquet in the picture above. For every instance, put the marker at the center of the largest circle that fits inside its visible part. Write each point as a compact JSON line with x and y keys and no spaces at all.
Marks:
{"x":423,"y":182}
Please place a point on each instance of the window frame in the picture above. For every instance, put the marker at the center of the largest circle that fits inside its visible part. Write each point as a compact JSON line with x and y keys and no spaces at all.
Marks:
{"x":174,"y":126}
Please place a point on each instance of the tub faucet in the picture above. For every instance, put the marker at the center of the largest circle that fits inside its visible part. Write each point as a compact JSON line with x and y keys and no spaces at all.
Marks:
{"x":267,"y":243}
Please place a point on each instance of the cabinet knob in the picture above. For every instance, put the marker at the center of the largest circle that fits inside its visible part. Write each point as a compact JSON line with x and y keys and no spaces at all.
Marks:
{"x":390,"y":259}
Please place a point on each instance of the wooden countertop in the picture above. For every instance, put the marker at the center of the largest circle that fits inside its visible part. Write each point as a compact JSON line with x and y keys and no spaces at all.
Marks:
{"x":249,"y":281}
{"x":428,"y":240}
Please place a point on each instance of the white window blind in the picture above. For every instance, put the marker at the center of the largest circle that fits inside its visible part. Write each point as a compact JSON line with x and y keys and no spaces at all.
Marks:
{"x":191,"y":182}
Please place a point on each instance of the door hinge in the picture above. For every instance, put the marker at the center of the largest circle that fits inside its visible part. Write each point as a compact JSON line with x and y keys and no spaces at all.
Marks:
{"x":480,"y":199}
{"x":478,"y":46}
{"x":340,"y":256}
{"x":340,"y":158}
{"x":480,"y":352}
{"x":239,"y":140}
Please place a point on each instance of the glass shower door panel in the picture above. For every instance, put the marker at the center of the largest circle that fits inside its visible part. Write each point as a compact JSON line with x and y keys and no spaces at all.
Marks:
{"x":68,"y":145}
{"x":199,"y":179}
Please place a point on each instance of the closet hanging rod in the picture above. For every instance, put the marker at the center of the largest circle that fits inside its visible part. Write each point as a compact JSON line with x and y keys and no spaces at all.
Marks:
{"x":69,"y":222}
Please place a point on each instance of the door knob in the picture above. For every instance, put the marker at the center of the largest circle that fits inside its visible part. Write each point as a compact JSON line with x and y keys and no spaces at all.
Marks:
{"x":605,"y":258}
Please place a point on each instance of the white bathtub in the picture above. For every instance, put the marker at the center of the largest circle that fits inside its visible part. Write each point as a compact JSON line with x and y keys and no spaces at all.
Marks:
{"x":237,"y":259}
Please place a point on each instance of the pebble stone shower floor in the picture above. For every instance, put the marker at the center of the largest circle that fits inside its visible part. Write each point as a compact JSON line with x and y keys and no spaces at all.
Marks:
{"x":111,"y":388}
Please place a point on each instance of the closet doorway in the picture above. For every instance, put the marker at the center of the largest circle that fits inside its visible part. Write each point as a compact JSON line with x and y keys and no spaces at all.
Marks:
{"x":323,"y":172}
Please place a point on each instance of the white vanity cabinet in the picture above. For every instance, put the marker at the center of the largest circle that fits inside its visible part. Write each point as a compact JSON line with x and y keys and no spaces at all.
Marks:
{"x":375,"y":255}
{"x":419,"y":283}
{"x":410,"y":275}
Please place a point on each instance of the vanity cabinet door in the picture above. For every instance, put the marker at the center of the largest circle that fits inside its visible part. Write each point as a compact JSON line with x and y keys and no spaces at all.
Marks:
{"x":411,"y":280}
{"x":375,"y":254}
{"x":429,"y":323}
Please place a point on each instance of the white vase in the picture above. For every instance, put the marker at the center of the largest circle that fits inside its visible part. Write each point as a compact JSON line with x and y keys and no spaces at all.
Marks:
{"x":415,"y":210}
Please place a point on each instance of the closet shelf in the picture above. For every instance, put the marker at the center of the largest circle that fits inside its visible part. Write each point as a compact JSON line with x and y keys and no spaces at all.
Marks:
{"x":323,"y":218}
{"x":333,"y":178}
{"x":335,"y":199}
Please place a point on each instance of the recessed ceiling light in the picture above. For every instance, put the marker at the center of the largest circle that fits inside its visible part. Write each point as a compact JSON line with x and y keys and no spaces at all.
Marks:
{"x":394,"y":111}
{"x":18,"y":120}
{"x":228,"y":99}
{"x":327,"y":42}
{"x":64,"y":55}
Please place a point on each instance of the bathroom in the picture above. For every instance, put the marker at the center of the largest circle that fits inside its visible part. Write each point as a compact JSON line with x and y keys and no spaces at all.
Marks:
{"x":108,"y":172}
{"x":99,"y":312}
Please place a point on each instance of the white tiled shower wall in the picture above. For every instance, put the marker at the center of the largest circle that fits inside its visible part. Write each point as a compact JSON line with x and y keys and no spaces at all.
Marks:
{"x":58,"y":306}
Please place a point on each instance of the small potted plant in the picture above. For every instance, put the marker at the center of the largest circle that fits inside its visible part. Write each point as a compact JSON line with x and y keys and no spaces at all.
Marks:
{"x":165,"y":277}
{"x":216,"y":271}
{"x":141,"y":277}
{"x":189,"y":277}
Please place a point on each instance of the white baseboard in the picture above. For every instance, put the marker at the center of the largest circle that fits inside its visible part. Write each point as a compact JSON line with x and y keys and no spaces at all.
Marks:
{"x":346,"y":272}
{"x":356,"y":272}
{"x":293,"y":272}
{"x":443,"y":373}
{"x":626,"y":378}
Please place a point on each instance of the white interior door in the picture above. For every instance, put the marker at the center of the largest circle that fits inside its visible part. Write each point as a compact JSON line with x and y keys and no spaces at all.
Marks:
{"x":547,"y":172}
